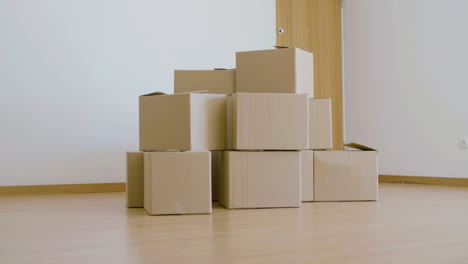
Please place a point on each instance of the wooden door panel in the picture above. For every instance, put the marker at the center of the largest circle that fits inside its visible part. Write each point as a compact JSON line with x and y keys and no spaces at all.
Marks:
{"x":315,"y":25}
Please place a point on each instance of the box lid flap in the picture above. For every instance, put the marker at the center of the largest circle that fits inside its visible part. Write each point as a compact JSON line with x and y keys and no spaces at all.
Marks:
{"x":282,"y":47}
{"x":161,"y":93}
{"x":359,"y":146}
{"x":154,"y":93}
{"x":287,"y":47}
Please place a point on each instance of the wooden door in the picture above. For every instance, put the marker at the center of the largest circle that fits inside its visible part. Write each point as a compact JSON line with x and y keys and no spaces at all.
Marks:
{"x":315,"y":25}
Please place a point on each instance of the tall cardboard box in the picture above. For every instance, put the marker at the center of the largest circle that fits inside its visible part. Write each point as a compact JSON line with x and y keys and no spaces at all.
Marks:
{"x":262,"y":121}
{"x":134,"y":186}
{"x":320,"y":124}
{"x":260,"y":179}
{"x":189,"y":121}
{"x":211,"y":81}
{"x":283,"y":70}
{"x":177,"y":182}
{"x":216,"y":170}
{"x":347,"y":175}
{"x":307,"y":175}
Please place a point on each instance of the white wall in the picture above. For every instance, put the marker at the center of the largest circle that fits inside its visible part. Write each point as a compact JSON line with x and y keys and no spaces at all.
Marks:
{"x":406,"y":86}
{"x":71,"y":72}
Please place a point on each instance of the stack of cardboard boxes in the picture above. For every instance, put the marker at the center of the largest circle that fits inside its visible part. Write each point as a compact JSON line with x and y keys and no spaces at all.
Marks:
{"x":253,"y":137}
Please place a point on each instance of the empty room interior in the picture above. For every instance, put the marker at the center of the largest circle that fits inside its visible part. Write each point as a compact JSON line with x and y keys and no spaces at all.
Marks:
{"x":216,"y":131}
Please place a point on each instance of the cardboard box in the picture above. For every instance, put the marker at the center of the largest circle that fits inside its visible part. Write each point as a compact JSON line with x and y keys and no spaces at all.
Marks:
{"x":189,"y":121}
{"x":307,"y":175}
{"x":348,"y":175}
{"x":320,"y":124}
{"x":211,"y":81}
{"x":260,"y":179}
{"x":262,"y":121}
{"x":283,"y":70}
{"x":134,"y":184}
{"x":216,"y":170}
{"x":177,"y":182}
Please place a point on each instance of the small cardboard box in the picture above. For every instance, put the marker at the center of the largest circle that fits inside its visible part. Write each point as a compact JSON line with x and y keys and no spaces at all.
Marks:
{"x":347,"y":175}
{"x":134,"y":184}
{"x":177,"y":182}
{"x":262,"y":121}
{"x":282,"y":70}
{"x":188,"y":121}
{"x":307,"y":175}
{"x":216,"y":170}
{"x":260,"y":179}
{"x":212,"y":81}
{"x":320,"y":124}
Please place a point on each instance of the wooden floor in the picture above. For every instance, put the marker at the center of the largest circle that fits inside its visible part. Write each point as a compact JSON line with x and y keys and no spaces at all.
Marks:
{"x":410,"y":224}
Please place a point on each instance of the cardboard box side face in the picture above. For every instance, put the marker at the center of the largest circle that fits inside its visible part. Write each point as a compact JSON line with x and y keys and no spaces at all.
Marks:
{"x":266,"y":71}
{"x":212,"y":81}
{"x":165,"y":122}
{"x":272,"y":122}
{"x":345,"y":176}
{"x":231,"y":125}
{"x":208,"y":121}
{"x":236,"y":177}
{"x":147,"y":181}
{"x":304,"y":72}
{"x":223,"y":184}
{"x":320,"y":124}
{"x":307,"y":175}
{"x":135,"y":174}
{"x":216,"y":171}
{"x":181,"y":183}
{"x":261,"y":179}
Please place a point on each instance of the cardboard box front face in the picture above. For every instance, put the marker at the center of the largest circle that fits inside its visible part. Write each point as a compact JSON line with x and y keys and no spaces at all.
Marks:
{"x":307,"y":175}
{"x":177,"y":183}
{"x":260,"y":179}
{"x":345,"y":175}
{"x":320,"y":124}
{"x":134,"y":179}
{"x":183,"y":122}
{"x":268,"y":121}
{"x":211,"y":81}
{"x":285,"y":70}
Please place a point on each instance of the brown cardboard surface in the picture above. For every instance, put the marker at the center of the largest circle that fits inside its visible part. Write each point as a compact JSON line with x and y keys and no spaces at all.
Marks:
{"x":307,"y":175}
{"x":262,"y":121}
{"x":211,"y":81}
{"x":260,"y":179}
{"x":189,"y":121}
{"x":177,"y":182}
{"x":134,"y":184}
{"x":320,"y":124}
{"x":348,"y":175}
{"x":216,"y":167}
{"x":285,"y":70}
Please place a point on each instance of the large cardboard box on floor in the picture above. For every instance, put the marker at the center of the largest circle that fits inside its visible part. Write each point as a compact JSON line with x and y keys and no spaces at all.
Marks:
{"x":262,"y":121}
{"x":307,"y":175}
{"x":320,"y":124}
{"x":260,"y":179}
{"x":282,"y":70}
{"x":134,"y":184}
{"x":347,"y":175}
{"x":177,"y":182}
{"x":211,"y":81}
{"x":188,"y":121}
